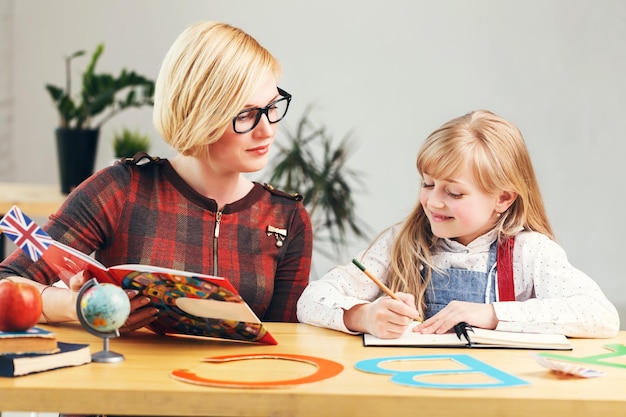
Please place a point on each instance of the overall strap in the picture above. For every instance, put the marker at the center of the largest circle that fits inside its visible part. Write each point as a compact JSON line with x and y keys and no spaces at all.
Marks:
{"x":504,"y":259}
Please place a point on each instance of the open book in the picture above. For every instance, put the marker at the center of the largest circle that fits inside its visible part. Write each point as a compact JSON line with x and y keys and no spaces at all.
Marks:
{"x":467,"y":336}
{"x":189,"y":303}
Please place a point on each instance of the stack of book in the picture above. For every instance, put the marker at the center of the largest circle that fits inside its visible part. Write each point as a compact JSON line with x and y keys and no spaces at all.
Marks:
{"x":37,"y":350}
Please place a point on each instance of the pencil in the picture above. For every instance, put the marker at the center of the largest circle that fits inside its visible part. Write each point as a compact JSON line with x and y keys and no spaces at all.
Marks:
{"x":382,"y":286}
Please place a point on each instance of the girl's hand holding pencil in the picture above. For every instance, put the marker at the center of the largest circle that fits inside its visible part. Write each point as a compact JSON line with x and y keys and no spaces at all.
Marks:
{"x":386,"y":289}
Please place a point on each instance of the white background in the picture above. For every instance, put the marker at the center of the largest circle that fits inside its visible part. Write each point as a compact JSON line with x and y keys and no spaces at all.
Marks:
{"x":390,"y":72}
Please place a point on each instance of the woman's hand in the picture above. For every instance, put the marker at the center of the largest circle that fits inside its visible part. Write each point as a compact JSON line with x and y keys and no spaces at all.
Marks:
{"x":475,"y":314}
{"x":385,"y":318}
{"x":76,"y":283}
{"x":141,"y":314}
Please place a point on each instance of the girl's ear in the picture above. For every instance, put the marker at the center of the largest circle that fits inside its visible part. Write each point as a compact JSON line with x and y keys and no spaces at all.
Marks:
{"x":505,"y":199}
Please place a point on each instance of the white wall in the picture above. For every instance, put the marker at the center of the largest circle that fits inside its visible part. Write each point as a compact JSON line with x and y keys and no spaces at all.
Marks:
{"x":393,"y":71}
{"x":6,"y":97}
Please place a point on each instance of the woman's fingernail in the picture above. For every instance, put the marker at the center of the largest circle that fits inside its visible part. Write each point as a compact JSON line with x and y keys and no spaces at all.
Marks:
{"x":132,"y":293}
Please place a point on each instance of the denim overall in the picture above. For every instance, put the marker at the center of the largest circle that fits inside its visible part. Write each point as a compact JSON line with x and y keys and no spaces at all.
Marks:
{"x":463,"y":285}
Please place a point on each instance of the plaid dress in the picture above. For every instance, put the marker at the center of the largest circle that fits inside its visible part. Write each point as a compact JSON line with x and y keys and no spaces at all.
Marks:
{"x":133,"y":213}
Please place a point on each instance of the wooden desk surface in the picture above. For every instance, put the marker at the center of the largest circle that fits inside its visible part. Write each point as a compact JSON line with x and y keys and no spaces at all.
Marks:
{"x":141,"y":385}
{"x":36,"y":200}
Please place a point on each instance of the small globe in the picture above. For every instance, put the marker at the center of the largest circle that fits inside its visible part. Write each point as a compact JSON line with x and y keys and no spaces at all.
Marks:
{"x":104,"y":307}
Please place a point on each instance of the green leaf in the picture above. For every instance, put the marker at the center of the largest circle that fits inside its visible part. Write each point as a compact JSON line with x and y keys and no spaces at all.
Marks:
{"x":129,"y":142}
{"x":98,"y":95}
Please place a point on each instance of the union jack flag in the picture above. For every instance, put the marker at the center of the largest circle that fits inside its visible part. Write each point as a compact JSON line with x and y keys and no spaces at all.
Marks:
{"x":25,"y":233}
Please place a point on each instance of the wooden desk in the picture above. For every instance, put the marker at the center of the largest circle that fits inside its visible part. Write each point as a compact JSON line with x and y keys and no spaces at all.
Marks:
{"x":141,"y":385}
{"x":36,"y":200}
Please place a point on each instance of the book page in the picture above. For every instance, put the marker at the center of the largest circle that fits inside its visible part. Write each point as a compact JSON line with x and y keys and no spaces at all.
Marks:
{"x":67,"y":262}
{"x":498,"y":338}
{"x":148,"y":274}
{"x":480,"y":338}
{"x":162,"y":270}
{"x":411,"y":338}
{"x":215,"y":309}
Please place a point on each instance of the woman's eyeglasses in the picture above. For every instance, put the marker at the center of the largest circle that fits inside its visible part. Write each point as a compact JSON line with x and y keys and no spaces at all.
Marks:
{"x":246,"y":120}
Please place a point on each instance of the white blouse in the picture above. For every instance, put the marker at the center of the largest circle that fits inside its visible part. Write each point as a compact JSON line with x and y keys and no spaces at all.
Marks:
{"x":551,"y":295}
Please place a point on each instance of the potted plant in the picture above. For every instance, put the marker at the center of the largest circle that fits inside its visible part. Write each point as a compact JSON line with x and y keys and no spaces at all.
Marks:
{"x":129,"y":142}
{"x":101,"y":97}
{"x":324,"y":180}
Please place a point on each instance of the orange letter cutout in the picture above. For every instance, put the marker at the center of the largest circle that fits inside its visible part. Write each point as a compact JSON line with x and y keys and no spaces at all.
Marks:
{"x":325,"y":369}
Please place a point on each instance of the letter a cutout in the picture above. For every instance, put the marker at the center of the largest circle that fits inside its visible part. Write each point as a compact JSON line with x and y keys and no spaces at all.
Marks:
{"x":617,"y":350}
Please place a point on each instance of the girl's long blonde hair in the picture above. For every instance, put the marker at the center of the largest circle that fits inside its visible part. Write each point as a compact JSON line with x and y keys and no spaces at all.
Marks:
{"x":497,"y":154}
{"x":206,"y":78}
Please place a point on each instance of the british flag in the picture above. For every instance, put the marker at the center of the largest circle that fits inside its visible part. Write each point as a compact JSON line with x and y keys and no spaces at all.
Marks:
{"x":25,"y":233}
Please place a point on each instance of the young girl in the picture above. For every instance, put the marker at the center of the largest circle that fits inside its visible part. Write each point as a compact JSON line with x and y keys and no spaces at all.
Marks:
{"x":477,"y":248}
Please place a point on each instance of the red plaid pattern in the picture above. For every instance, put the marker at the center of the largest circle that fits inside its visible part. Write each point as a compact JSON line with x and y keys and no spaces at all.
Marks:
{"x":146,"y":214}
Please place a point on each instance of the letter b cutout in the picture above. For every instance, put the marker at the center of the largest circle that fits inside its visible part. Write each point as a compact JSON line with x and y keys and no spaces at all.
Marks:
{"x":412,"y":377}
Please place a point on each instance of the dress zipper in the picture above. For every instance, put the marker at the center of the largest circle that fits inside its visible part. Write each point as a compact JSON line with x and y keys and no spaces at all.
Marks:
{"x":216,"y":235}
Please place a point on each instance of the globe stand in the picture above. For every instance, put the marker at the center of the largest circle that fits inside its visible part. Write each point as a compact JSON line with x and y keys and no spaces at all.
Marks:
{"x":105,"y":355}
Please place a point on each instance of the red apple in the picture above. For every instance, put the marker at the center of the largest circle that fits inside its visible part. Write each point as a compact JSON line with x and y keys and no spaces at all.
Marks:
{"x":20,"y":306}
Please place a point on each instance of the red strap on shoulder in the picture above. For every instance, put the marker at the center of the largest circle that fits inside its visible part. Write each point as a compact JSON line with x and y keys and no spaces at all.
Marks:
{"x":504,"y":260}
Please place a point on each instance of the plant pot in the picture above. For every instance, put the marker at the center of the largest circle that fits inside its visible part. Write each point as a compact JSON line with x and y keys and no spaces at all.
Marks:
{"x":76,"y":155}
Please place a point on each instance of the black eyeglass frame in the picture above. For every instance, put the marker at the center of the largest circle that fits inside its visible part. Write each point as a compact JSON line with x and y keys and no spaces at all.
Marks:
{"x":264,"y":111}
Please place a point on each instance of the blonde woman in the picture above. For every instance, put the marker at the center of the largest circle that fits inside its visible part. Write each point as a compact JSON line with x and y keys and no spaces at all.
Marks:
{"x":478,"y":248}
{"x":218,"y":104}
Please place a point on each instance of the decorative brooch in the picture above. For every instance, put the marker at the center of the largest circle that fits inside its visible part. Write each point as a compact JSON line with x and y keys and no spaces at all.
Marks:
{"x":279,"y":234}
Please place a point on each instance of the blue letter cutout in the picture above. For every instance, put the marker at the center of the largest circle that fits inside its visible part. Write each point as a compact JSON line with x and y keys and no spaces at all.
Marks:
{"x":411,"y":378}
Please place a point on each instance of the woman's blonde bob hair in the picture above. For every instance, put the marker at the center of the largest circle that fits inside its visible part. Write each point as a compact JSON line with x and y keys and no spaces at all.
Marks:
{"x":204,"y":81}
{"x":495,"y":151}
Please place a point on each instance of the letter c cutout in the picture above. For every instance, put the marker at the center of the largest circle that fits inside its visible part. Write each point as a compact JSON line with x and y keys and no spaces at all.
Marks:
{"x":325,"y":369}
